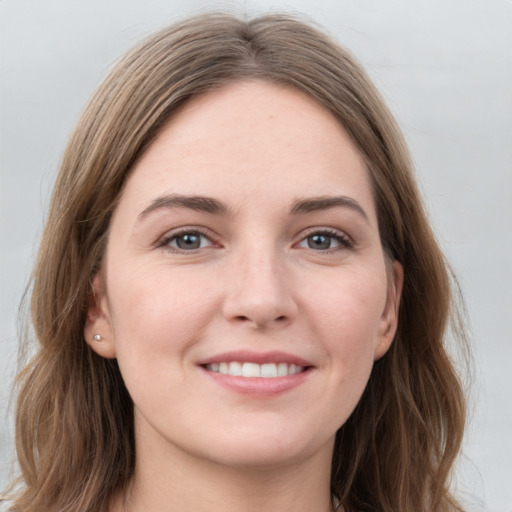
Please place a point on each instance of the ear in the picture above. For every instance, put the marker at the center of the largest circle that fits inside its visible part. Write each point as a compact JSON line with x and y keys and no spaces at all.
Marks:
{"x":98,"y":331}
{"x":389,"y":318}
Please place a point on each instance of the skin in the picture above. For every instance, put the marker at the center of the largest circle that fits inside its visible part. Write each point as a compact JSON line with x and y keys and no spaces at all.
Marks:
{"x":262,"y":279}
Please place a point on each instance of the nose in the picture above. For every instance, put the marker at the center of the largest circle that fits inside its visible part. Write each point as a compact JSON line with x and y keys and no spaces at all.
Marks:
{"x":260,"y":291}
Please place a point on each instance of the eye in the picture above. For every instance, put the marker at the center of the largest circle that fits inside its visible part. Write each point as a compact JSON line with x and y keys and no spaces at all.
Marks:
{"x":325,"y":240}
{"x":187,"y":241}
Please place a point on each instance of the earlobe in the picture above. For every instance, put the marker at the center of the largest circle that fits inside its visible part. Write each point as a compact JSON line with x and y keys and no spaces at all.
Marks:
{"x":389,"y":319}
{"x":98,"y":332}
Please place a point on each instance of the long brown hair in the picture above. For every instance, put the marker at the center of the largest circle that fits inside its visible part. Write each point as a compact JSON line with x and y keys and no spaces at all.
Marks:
{"x":74,"y":423}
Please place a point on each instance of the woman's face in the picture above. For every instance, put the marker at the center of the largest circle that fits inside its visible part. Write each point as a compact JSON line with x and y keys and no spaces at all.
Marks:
{"x":245,"y":292}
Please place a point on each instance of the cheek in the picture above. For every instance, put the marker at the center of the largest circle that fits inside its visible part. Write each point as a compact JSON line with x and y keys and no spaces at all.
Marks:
{"x":350,"y":303}
{"x":156,"y":318}
{"x":348,"y":314}
{"x":156,"y":313}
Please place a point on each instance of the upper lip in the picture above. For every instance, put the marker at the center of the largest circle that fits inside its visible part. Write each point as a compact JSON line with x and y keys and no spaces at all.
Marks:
{"x":244,"y":356}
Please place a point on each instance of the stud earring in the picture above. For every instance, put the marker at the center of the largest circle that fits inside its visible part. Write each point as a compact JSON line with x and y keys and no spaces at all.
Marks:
{"x":97,"y":337}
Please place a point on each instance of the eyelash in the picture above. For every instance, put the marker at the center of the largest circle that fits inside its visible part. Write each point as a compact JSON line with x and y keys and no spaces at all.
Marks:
{"x":344,"y":240}
{"x":341,"y":238}
{"x":166,"y":241}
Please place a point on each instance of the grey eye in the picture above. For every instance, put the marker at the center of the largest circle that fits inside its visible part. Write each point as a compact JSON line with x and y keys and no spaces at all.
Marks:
{"x":189,"y":241}
{"x":320,"y":242}
{"x":326,"y":241}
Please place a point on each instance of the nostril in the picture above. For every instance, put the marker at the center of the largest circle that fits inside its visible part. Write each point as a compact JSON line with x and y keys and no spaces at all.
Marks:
{"x":243,"y":318}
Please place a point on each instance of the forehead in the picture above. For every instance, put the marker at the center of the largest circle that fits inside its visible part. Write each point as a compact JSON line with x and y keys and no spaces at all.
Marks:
{"x":251,"y":139}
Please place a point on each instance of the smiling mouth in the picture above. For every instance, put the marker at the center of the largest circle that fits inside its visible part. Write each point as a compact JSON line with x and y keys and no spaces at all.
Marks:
{"x":245,"y":369}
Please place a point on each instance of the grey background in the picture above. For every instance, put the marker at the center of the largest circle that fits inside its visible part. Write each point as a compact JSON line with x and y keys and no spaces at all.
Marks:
{"x":445,"y":68}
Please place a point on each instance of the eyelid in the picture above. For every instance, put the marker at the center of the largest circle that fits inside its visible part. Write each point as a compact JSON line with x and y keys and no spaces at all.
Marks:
{"x":164,"y":240}
{"x":345,"y":241}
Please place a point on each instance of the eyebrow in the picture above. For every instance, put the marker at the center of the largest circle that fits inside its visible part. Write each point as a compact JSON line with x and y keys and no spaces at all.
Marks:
{"x":315,"y":204}
{"x":216,"y":207}
{"x":197,"y":203}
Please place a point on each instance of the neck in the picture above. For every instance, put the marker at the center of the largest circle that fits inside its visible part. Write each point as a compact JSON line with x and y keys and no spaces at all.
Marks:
{"x":178,"y":482}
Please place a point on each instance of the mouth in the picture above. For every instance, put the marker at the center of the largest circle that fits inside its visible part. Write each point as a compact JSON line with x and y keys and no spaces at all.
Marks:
{"x":259,"y":375}
{"x":247,"y":369}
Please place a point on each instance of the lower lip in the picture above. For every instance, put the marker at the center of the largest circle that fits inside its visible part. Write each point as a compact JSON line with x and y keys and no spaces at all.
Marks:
{"x":259,"y":386}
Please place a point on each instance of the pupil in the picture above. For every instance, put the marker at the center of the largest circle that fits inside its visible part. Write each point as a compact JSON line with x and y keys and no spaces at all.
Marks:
{"x":319,"y":242}
{"x":188,"y":241}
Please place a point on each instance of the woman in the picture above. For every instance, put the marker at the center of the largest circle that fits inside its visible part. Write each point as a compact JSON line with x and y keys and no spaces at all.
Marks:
{"x":238,"y":299}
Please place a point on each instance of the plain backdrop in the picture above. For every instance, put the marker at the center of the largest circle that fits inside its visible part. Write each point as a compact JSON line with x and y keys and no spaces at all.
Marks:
{"x":445,"y":69}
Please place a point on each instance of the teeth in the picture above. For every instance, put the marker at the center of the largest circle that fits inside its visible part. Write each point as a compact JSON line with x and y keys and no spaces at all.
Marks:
{"x":249,"y":370}
{"x":234,"y":369}
{"x":282,"y":370}
{"x":267,"y":370}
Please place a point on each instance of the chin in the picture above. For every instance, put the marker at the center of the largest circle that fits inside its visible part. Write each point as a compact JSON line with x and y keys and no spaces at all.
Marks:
{"x":252,"y":450}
